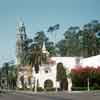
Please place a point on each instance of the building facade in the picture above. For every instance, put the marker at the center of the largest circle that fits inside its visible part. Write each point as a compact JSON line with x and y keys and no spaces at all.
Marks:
{"x":47,"y":72}
{"x":23,"y":71}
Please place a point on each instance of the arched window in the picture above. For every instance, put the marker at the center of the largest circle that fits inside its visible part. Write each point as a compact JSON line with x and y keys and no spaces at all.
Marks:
{"x":48,"y":84}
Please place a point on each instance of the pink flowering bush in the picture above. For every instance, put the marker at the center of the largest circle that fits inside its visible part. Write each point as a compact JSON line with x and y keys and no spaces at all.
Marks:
{"x":80,"y":76}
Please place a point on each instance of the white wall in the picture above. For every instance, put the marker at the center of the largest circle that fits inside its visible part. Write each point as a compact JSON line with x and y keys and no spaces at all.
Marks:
{"x":68,"y":62}
{"x":43,"y":76}
{"x":93,"y":61}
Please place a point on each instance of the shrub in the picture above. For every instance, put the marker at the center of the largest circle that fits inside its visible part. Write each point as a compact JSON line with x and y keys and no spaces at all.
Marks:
{"x":95,"y":87}
{"x":79,"y":88}
{"x":80,"y":76}
{"x":50,"y":89}
{"x":40,"y":89}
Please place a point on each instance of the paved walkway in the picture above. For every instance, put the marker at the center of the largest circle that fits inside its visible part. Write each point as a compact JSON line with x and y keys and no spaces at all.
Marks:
{"x":64,"y":95}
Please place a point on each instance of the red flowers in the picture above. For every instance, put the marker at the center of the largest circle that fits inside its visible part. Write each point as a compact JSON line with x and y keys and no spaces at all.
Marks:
{"x":86,"y":69}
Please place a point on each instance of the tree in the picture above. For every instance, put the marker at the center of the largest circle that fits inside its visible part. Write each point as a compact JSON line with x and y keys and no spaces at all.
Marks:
{"x":51,"y":30}
{"x":61,"y":75}
{"x":5,"y":69}
{"x":12,"y":76}
{"x":8,"y":71}
{"x":62,"y":46}
{"x":71,"y":36}
{"x":81,"y":77}
{"x":81,"y":42}
{"x":90,"y":41}
{"x":51,"y":48}
{"x":40,"y":38}
{"x":32,"y":53}
{"x":27,"y":50}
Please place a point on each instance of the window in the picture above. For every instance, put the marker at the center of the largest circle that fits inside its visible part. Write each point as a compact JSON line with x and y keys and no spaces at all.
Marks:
{"x":46,"y":71}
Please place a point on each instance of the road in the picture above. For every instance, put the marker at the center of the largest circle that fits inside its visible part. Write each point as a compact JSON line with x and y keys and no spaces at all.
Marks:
{"x":51,"y":96}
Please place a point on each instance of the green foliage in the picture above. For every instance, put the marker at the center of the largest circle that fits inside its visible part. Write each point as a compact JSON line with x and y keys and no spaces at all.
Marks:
{"x":61,"y":72}
{"x":40,"y":89}
{"x":51,"y":48}
{"x":8,"y":71}
{"x":33,"y":50}
{"x":80,"y":76}
{"x":79,"y":88}
{"x":50,"y":89}
{"x":61,"y":76}
{"x":40,"y":38}
{"x":63,"y":47}
{"x":81,"y":41}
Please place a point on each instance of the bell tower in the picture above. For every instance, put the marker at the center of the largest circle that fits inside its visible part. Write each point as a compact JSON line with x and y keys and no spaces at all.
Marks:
{"x":45,"y":54}
{"x":20,"y":40}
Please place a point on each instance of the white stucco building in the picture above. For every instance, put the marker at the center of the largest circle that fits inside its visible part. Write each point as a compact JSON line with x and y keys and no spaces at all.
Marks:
{"x":93,"y":61}
{"x":48,"y":72}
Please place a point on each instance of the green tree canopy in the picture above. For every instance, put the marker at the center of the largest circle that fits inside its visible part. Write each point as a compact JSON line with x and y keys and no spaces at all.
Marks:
{"x":61,"y":72}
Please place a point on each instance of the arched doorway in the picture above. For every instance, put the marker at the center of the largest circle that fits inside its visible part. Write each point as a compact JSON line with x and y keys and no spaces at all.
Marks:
{"x":61,"y":76}
{"x":22,"y":81}
{"x":64,"y":84}
{"x":48,"y":84}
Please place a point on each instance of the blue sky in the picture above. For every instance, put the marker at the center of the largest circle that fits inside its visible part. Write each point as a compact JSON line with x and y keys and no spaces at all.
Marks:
{"x":39,"y":15}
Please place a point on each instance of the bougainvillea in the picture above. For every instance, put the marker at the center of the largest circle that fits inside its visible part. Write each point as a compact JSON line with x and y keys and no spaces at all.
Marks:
{"x":81,"y":74}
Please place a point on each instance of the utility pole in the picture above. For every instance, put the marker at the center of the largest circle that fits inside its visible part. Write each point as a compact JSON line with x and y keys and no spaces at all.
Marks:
{"x":88,"y":83}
